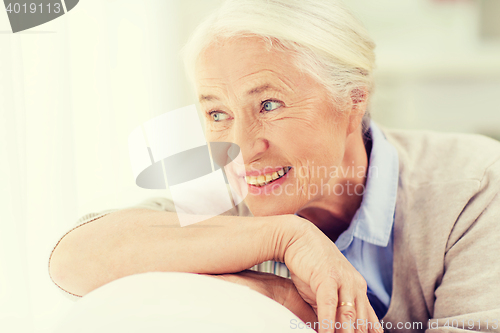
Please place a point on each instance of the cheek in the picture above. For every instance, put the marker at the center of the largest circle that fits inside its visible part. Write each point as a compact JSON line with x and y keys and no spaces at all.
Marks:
{"x":304,"y":136}
{"x":214,"y":134}
{"x":310,"y":144}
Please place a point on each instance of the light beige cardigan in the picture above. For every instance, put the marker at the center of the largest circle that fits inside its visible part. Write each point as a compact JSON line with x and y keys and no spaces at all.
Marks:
{"x":446,"y":232}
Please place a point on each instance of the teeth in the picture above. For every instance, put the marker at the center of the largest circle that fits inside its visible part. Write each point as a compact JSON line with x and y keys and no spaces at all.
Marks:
{"x":262,"y":180}
{"x":252,"y":180}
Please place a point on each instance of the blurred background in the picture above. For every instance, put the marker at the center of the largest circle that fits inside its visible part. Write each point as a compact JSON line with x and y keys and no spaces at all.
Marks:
{"x":73,"y":89}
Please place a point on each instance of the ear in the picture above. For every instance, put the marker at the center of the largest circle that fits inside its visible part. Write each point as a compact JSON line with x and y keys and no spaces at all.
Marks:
{"x":359,"y":103}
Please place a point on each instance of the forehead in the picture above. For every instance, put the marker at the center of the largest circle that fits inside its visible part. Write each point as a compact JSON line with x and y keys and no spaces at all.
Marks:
{"x":239,"y":62}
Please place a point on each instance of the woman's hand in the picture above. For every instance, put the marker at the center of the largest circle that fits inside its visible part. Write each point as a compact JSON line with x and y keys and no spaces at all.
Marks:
{"x":324,"y":278}
{"x":280,"y":289}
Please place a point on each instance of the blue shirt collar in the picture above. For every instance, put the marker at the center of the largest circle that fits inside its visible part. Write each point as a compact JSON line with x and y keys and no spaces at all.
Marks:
{"x":374,"y":218}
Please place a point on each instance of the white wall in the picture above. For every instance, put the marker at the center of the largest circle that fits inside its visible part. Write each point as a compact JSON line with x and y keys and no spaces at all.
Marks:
{"x":71,"y":91}
{"x":435,"y":69}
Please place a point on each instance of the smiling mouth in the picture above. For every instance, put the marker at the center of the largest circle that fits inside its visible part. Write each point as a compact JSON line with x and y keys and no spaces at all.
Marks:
{"x":268,"y":178}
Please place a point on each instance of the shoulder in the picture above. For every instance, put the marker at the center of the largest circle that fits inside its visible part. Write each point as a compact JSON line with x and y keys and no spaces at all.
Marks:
{"x":430,"y":156}
{"x":446,"y":182}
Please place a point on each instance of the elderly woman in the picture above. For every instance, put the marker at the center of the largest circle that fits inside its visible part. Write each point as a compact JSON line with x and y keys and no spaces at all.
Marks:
{"x":372,"y":224}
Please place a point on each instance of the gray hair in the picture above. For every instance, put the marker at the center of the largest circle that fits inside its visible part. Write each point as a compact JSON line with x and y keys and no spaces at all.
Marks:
{"x":326,"y":40}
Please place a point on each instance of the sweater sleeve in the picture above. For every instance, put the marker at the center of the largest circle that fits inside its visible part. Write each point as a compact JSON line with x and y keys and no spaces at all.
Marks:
{"x":154,"y":203}
{"x":468,"y":296}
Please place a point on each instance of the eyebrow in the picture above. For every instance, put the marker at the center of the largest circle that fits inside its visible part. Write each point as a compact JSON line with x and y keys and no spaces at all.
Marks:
{"x":253,"y":91}
{"x":262,"y":88}
{"x":207,"y":98}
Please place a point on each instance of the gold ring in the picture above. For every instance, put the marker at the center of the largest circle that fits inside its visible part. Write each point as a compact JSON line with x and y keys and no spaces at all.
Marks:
{"x":345,"y":304}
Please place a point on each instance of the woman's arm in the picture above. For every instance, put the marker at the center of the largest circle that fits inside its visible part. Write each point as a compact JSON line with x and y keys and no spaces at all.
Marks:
{"x":134,"y":241}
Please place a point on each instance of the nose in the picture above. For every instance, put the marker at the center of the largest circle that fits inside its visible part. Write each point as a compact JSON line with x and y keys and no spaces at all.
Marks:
{"x":249,"y":136}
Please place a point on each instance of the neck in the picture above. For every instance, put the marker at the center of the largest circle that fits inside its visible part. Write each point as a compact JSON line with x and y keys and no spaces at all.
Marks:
{"x":333,"y":213}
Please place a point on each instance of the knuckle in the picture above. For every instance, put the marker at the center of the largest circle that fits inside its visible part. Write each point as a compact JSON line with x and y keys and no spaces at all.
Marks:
{"x":349,"y":315}
{"x":334,"y":275}
{"x":362,"y":329}
{"x":358,"y":281}
{"x":352,"y":278}
{"x":361,"y":283}
{"x":331,"y":301}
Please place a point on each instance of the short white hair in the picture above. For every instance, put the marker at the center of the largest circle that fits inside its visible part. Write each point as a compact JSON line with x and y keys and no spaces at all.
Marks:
{"x":328,"y":42}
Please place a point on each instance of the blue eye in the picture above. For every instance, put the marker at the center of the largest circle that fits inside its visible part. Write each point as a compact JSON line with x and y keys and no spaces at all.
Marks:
{"x":217,"y":116}
{"x":270,"y":105}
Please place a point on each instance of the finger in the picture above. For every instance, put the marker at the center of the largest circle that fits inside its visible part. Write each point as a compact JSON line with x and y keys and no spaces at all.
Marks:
{"x":326,"y":299}
{"x":305,"y":292}
{"x":346,"y":312}
{"x":375,"y":326}
{"x":294,"y":302}
{"x":363,"y":308}
{"x":367,"y":320}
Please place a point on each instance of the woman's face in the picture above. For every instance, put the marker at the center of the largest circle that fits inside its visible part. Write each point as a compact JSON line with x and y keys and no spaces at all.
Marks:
{"x":279,"y":117}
